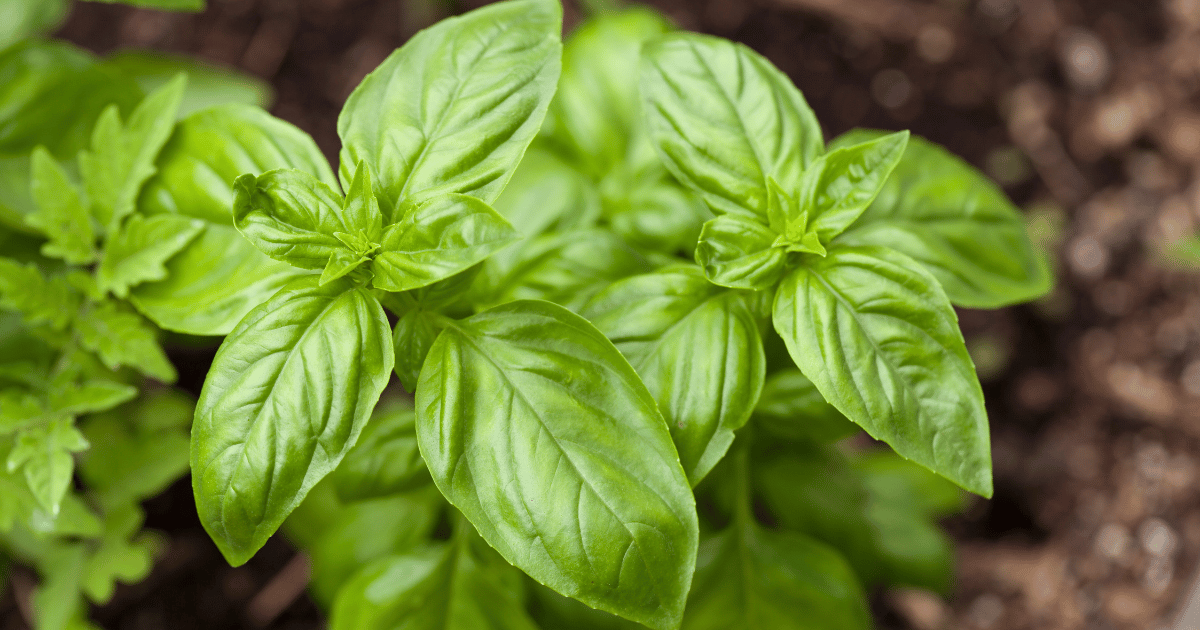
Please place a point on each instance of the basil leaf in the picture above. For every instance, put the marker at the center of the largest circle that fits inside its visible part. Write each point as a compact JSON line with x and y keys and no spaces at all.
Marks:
{"x":122,"y":156}
{"x":951,"y":218}
{"x":752,"y":578}
{"x":547,"y":194}
{"x":122,"y":337}
{"x":29,"y":18}
{"x":453,"y":110}
{"x":436,"y":239}
{"x":290,"y":216}
{"x":842,"y":183}
{"x":698,"y":350}
{"x":61,"y":214}
{"x":220,"y":276}
{"x":877,"y":336}
{"x":597,"y":107}
{"x":527,"y":404}
{"x":792,"y":408}
{"x":455,"y":586}
{"x":657,"y":214}
{"x":414,"y":334}
{"x":724,"y":120}
{"x":385,"y":460}
{"x":139,"y":251}
{"x":310,"y":352}
{"x":211,"y":148}
{"x":211,"y":284}
{"x":208,"y":84}
{"x":739,"y":252}
{"x":567,"y":268}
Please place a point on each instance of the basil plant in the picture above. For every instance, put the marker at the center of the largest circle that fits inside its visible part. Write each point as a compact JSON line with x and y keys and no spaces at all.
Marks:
{"x":635,"y":311}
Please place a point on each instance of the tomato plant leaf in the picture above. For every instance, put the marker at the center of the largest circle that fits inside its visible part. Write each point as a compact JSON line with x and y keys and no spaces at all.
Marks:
{"x":61,"y":214}
{"x":44,"y":453}
{"x":122,"y":337}
{"x":140,"y":250}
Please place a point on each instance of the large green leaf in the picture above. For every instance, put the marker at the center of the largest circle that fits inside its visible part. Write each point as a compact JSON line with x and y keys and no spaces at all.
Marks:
{"x":536,"y":427}
{"x":386,"y":459}
{"x":453,"y":110}
{"x":597,"y":111}
{"x":288,"y":394}
{"x":208,"y":84}
{"x":951,"y":218}
{"x":749,"y":578}
{"x":548,"y":194}
{"x":220,"y":276}
{"x":437,"y":238}
{"x":696,"y":347}
{"x":460,"y":585}
{"x":877,"y":336}
{"x":724,"y":120}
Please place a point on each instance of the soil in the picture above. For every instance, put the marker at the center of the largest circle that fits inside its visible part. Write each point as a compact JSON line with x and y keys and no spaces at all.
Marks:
{"x":1087,"y":111}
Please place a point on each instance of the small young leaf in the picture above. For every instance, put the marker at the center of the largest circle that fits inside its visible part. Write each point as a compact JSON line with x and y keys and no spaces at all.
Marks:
{"x":118,"y":558}
{"x":90,"y":397}
{"x":320,"y":354}
{"x":362,"y":207}
{"x":839,"y":185}
{"x":121,"y":337}
{"x":45,"y":455}
{"x":877,"y":336}
{"x":724,"y":119}
{"x":527,"y":404}
{"x":139,"y":251}
{"x":754,"y":578}
{"x":122,"y":157}
{"x":385,"y":461}
{"x":437,"y":239}
{"x":739,"y":252}
{"x":698,"y":350}
{"x":453,"y":110}
{"x":955,"y":221}
{"x":341,"y":263}
{"x":290,"y":216}
{"x":61,"y":215}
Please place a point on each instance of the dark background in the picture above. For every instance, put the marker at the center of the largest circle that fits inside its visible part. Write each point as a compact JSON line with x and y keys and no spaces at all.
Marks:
{"x":1086,"y":111}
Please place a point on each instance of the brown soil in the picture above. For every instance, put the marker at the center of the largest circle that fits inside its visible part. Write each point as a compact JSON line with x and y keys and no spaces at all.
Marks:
{"x":1087,"y":111}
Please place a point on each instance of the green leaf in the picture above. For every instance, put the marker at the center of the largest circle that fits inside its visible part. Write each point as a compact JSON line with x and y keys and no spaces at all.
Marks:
{"x":130,"y":461}
{"x":140,"y":250}
{"x":320,"y":354}
{"x":214,"y":281}
{"x":121,"y":556}
{"x":698,"y":350}
{"x":61,"y":214}
{"x":362,"y":532}
{"x":208,"y":84}
{"x":738,"y":252}
{"x":291,"y":216}
{"x":792,"y":408}
{"x":44,"y":453}
{"x":654,"y":212}
{"x":122,"y":337}
{"x":536,"y":427}
{"x":58,"y":603}
{"x":16,"y":199}
{"x":18,"y":409}
{"x":839,"y":185}
{"x":89,"y":397}
{"x":724,"y":119}
{"x":753,"y":578}
{"x":948,"y":216}
{"x":385,"y":460}
{"x":211,"y":284}
{"x":548,"y":194}
{"x":567,"y":268}
{"x":39,"y":300}
{"x":165,"y":5}
{"x":211,"y":148}
{"x":29,"y":18}
{"x":877,"y":336}
{"x":453,"y":110}
{"x":414,"y":334}
{"x":597,"y":111}
{"x":122,"y":157}
{"x":436,"y":239}
{"x":461,"y":585}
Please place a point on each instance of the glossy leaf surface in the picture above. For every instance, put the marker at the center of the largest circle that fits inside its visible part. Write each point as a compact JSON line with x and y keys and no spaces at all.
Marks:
{"x":526,"y":405}
{"x":738,"y":252}
{"x":385,"y":460}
